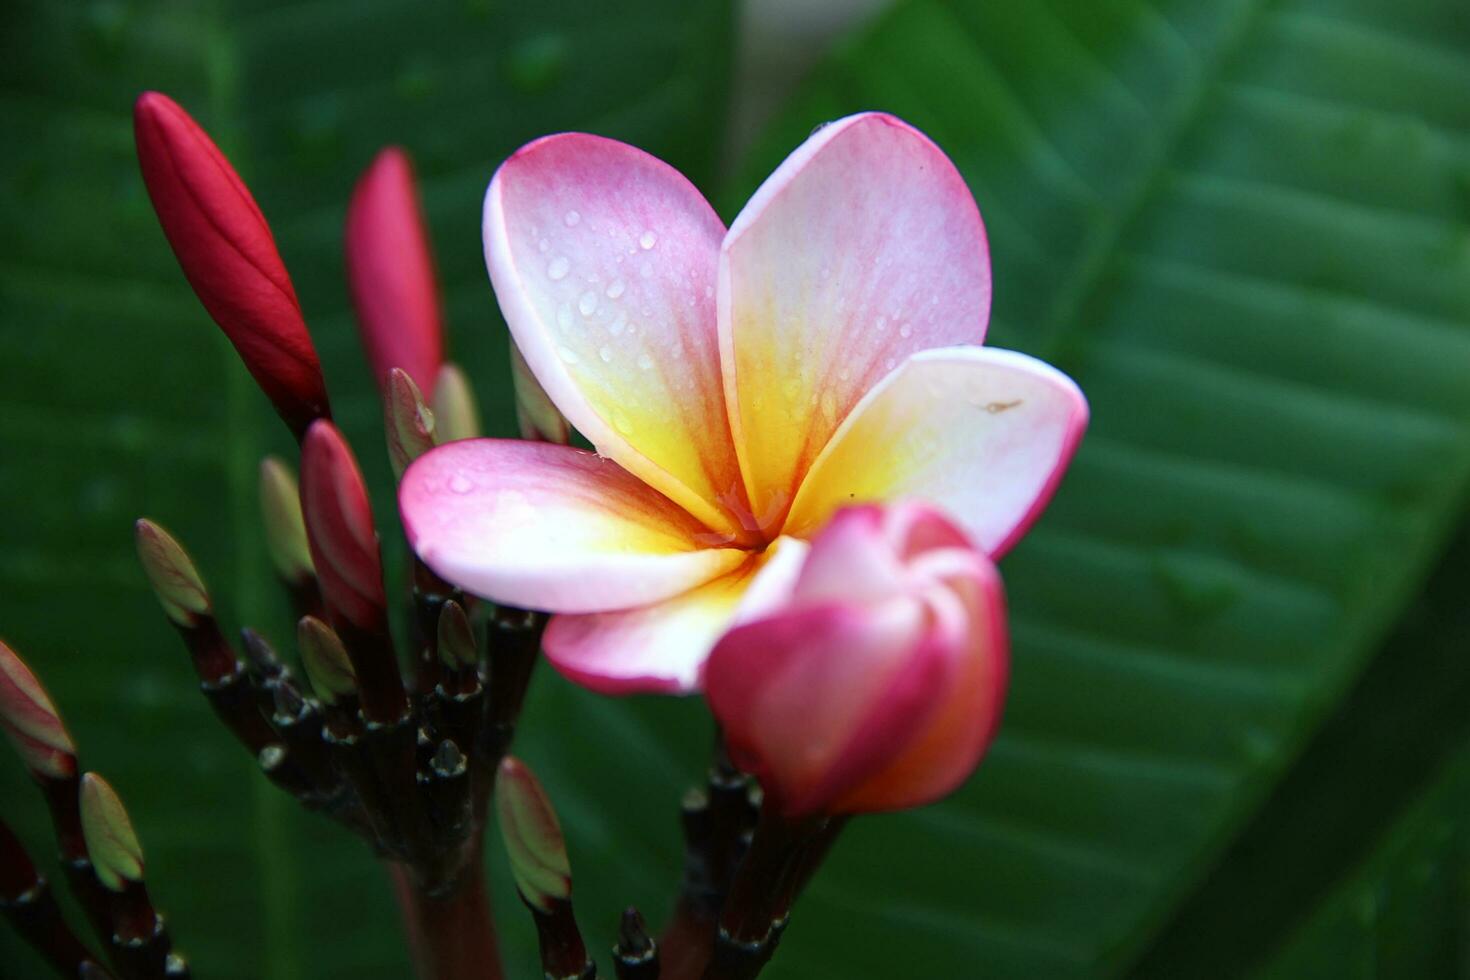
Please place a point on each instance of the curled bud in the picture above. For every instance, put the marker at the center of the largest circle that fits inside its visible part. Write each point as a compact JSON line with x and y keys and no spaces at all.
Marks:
{"x":536,"y":416}
{"x":31,"y":722}
{"x":532,"y":834}
{"x":226,"y":250}
{"x":172,"y":574}
{"x":339,"y":529}
{"x":390,"y":272}
{"x":325,"y":658}
{"x":875,"y":682}
{"x":457,"y":647}
{"x":407,"y":421}
{"x":280,"y":513}
{"x":112,"y":846}
{"x":456,"y":416}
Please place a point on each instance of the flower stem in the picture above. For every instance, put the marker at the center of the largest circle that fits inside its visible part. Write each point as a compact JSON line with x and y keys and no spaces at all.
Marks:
{"x":453,"y":937}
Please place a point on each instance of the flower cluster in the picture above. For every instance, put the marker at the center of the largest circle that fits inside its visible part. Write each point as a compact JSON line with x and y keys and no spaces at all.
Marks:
{"x":805,"y":464}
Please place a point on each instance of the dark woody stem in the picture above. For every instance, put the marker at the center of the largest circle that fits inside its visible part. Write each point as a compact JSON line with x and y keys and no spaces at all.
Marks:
{"x":27,"y":901}
{"x":718,"y":820}
{"x":563,"y":954}
{"x":757,"y":907}
{"x":451,"y":937}
{"x":636,"y":956}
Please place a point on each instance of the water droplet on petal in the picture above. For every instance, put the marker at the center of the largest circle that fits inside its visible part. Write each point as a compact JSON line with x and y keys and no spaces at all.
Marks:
{"x":648,"y":239}
{"x":907,"y":330}
{"x":572,"y":219}
{"x":615,"y":288}
{"x":559,"y":267}
{"x":588,"y":303}
{"x":645,"y":362}
{"x":564,"y":316}
{"x":606,"y":354}
{"x":461,"y":483}
{"x":620,"y":322}
{"x":567,"y":354}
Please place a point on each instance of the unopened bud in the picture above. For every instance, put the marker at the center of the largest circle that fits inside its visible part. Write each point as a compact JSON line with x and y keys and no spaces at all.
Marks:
{"x":407,"y":420}
{"x":339,"y":528}
{"x":533,"y":838}
{"x":390,"y":272}
{"x":280,"y":514}
{"x":457,"y":647}
{"x":30,"y":720}
{"x":327,"y":665}
{"x":229,"y":256}
{"x":536,"y":416}
{"x":112,"y":846}
{"x":172,"y":574}
{"x":456,"y":415}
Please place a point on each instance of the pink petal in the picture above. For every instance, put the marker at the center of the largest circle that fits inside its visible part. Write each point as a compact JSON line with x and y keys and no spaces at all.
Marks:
{"x":862,"y":248}
{"x":985,"y":434}
{"x":814,"y":699}
{"x":604,"y":261}
{"x":550,"y":527}
{"x":961,"y":721}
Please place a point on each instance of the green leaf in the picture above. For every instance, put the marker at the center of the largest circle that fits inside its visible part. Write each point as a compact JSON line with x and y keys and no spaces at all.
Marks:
{"x":1242,"y":226}
{"x":120,"y":399}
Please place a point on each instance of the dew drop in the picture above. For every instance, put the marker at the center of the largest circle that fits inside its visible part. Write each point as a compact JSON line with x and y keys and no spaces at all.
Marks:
{"x":615,"y":288}
{"x":883,"y":323}
{"x":587,"y":305}
{"x":605,"y":353}
{"x":544,"y":245}
{"x":620,"y":322}
{"x":829,"y":406}
{"x":645,"y":361}
{"x":461,"y":483}
{"x":573,"y":218}
{"x":559,"y":267}
{"x":648,"y":239}
{"x":564,"y":316}
{"x":906,"y":330}
{"x":567,"y":354}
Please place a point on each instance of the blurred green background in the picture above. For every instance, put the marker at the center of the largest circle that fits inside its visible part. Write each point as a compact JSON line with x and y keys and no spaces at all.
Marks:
{"x":1237,"y":738}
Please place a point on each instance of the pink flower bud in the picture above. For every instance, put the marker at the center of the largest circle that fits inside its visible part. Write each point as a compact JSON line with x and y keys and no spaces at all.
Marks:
{"x":340,"y":531}
{"x":875,"y":682}
{"x":30,"y":720}
{"x":390,"y":271}
{"x":226,"y":250}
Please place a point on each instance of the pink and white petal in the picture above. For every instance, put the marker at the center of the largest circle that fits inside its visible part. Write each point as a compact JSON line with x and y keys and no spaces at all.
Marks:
{"x":970,"y":623}
{"x":553,"y":528}
{"x":985,"y":434}
{"x":604,"y":261}
{"x":659,"y":648}
{"x":863,"y":247}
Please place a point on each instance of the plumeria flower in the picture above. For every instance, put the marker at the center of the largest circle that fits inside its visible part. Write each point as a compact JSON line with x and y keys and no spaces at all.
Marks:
{"x":739,"y":387}
{"x":874,"y":680}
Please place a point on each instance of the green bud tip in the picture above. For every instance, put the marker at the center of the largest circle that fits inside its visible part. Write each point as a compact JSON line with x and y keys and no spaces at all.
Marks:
{"x":280,"y":513}
{"x":536,"y":416}
{"x":457,"y":647}
{"x":455,"y":413}
{"x":172,"y":574}
{"x":31,"y":722}
{"x":532,"y":835}
{"x":325,"y":659}
{"x":407,"y":420}
{"x":112,"y":845}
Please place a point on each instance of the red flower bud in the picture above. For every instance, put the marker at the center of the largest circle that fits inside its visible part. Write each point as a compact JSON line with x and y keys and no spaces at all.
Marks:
{"x":876,"y":682}
{"x":340,"y":531}
{"x":226,"y":250}
{"x":390,"y":271}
